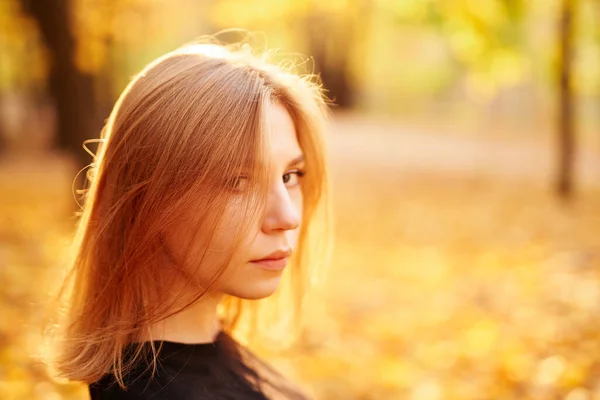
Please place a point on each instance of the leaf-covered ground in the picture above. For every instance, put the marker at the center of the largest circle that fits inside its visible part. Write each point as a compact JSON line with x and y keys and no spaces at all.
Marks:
{"x":445,"y":284}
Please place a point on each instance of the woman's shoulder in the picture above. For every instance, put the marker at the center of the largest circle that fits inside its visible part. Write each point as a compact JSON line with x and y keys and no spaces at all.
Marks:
{"x":179,"y":387}
{"x":182,"y":371}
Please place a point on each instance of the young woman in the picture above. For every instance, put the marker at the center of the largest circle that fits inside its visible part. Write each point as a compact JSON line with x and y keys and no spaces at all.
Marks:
{"x":208,"y":192}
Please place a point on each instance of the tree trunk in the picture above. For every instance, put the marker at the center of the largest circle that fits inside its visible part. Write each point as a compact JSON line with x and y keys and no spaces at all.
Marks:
{"x":331,"y":54}
{"x":71,"y":89}
{"x":566,"y":129}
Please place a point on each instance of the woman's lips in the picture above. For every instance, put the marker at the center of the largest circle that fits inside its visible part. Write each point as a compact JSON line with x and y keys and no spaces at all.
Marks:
{"x":274,"y":264}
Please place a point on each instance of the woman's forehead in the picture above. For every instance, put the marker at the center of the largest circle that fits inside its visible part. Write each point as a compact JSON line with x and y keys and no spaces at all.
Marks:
{"x":283,"y":140}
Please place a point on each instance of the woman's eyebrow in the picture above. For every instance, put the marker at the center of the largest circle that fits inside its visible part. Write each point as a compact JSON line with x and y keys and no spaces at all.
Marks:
{"x":296,"y":161}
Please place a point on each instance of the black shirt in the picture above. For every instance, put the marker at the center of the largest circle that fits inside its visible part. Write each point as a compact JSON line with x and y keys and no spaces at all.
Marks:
{"x":187,"y":372}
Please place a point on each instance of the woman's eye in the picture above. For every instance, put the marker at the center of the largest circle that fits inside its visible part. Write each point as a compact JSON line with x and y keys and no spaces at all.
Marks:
{"x":293,"y":178}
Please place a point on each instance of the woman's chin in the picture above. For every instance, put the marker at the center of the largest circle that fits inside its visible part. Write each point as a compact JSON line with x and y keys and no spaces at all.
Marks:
{"x":256,"y":291}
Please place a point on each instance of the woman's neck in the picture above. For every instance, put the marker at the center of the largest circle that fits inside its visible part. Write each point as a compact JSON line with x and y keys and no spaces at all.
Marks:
{"x":198,"y":323}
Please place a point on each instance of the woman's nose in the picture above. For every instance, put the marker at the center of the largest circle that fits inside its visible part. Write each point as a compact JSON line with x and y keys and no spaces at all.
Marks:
{"x":282,"y":214}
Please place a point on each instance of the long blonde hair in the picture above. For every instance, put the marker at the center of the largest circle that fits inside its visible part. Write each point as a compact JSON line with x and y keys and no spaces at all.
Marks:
{"x":185,"y":124}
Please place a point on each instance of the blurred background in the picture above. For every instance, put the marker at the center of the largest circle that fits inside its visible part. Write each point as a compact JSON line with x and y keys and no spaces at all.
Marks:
{"x":465,"y":153}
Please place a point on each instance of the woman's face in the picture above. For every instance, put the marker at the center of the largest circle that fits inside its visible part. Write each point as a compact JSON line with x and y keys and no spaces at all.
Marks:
{"x":261,"y":259}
